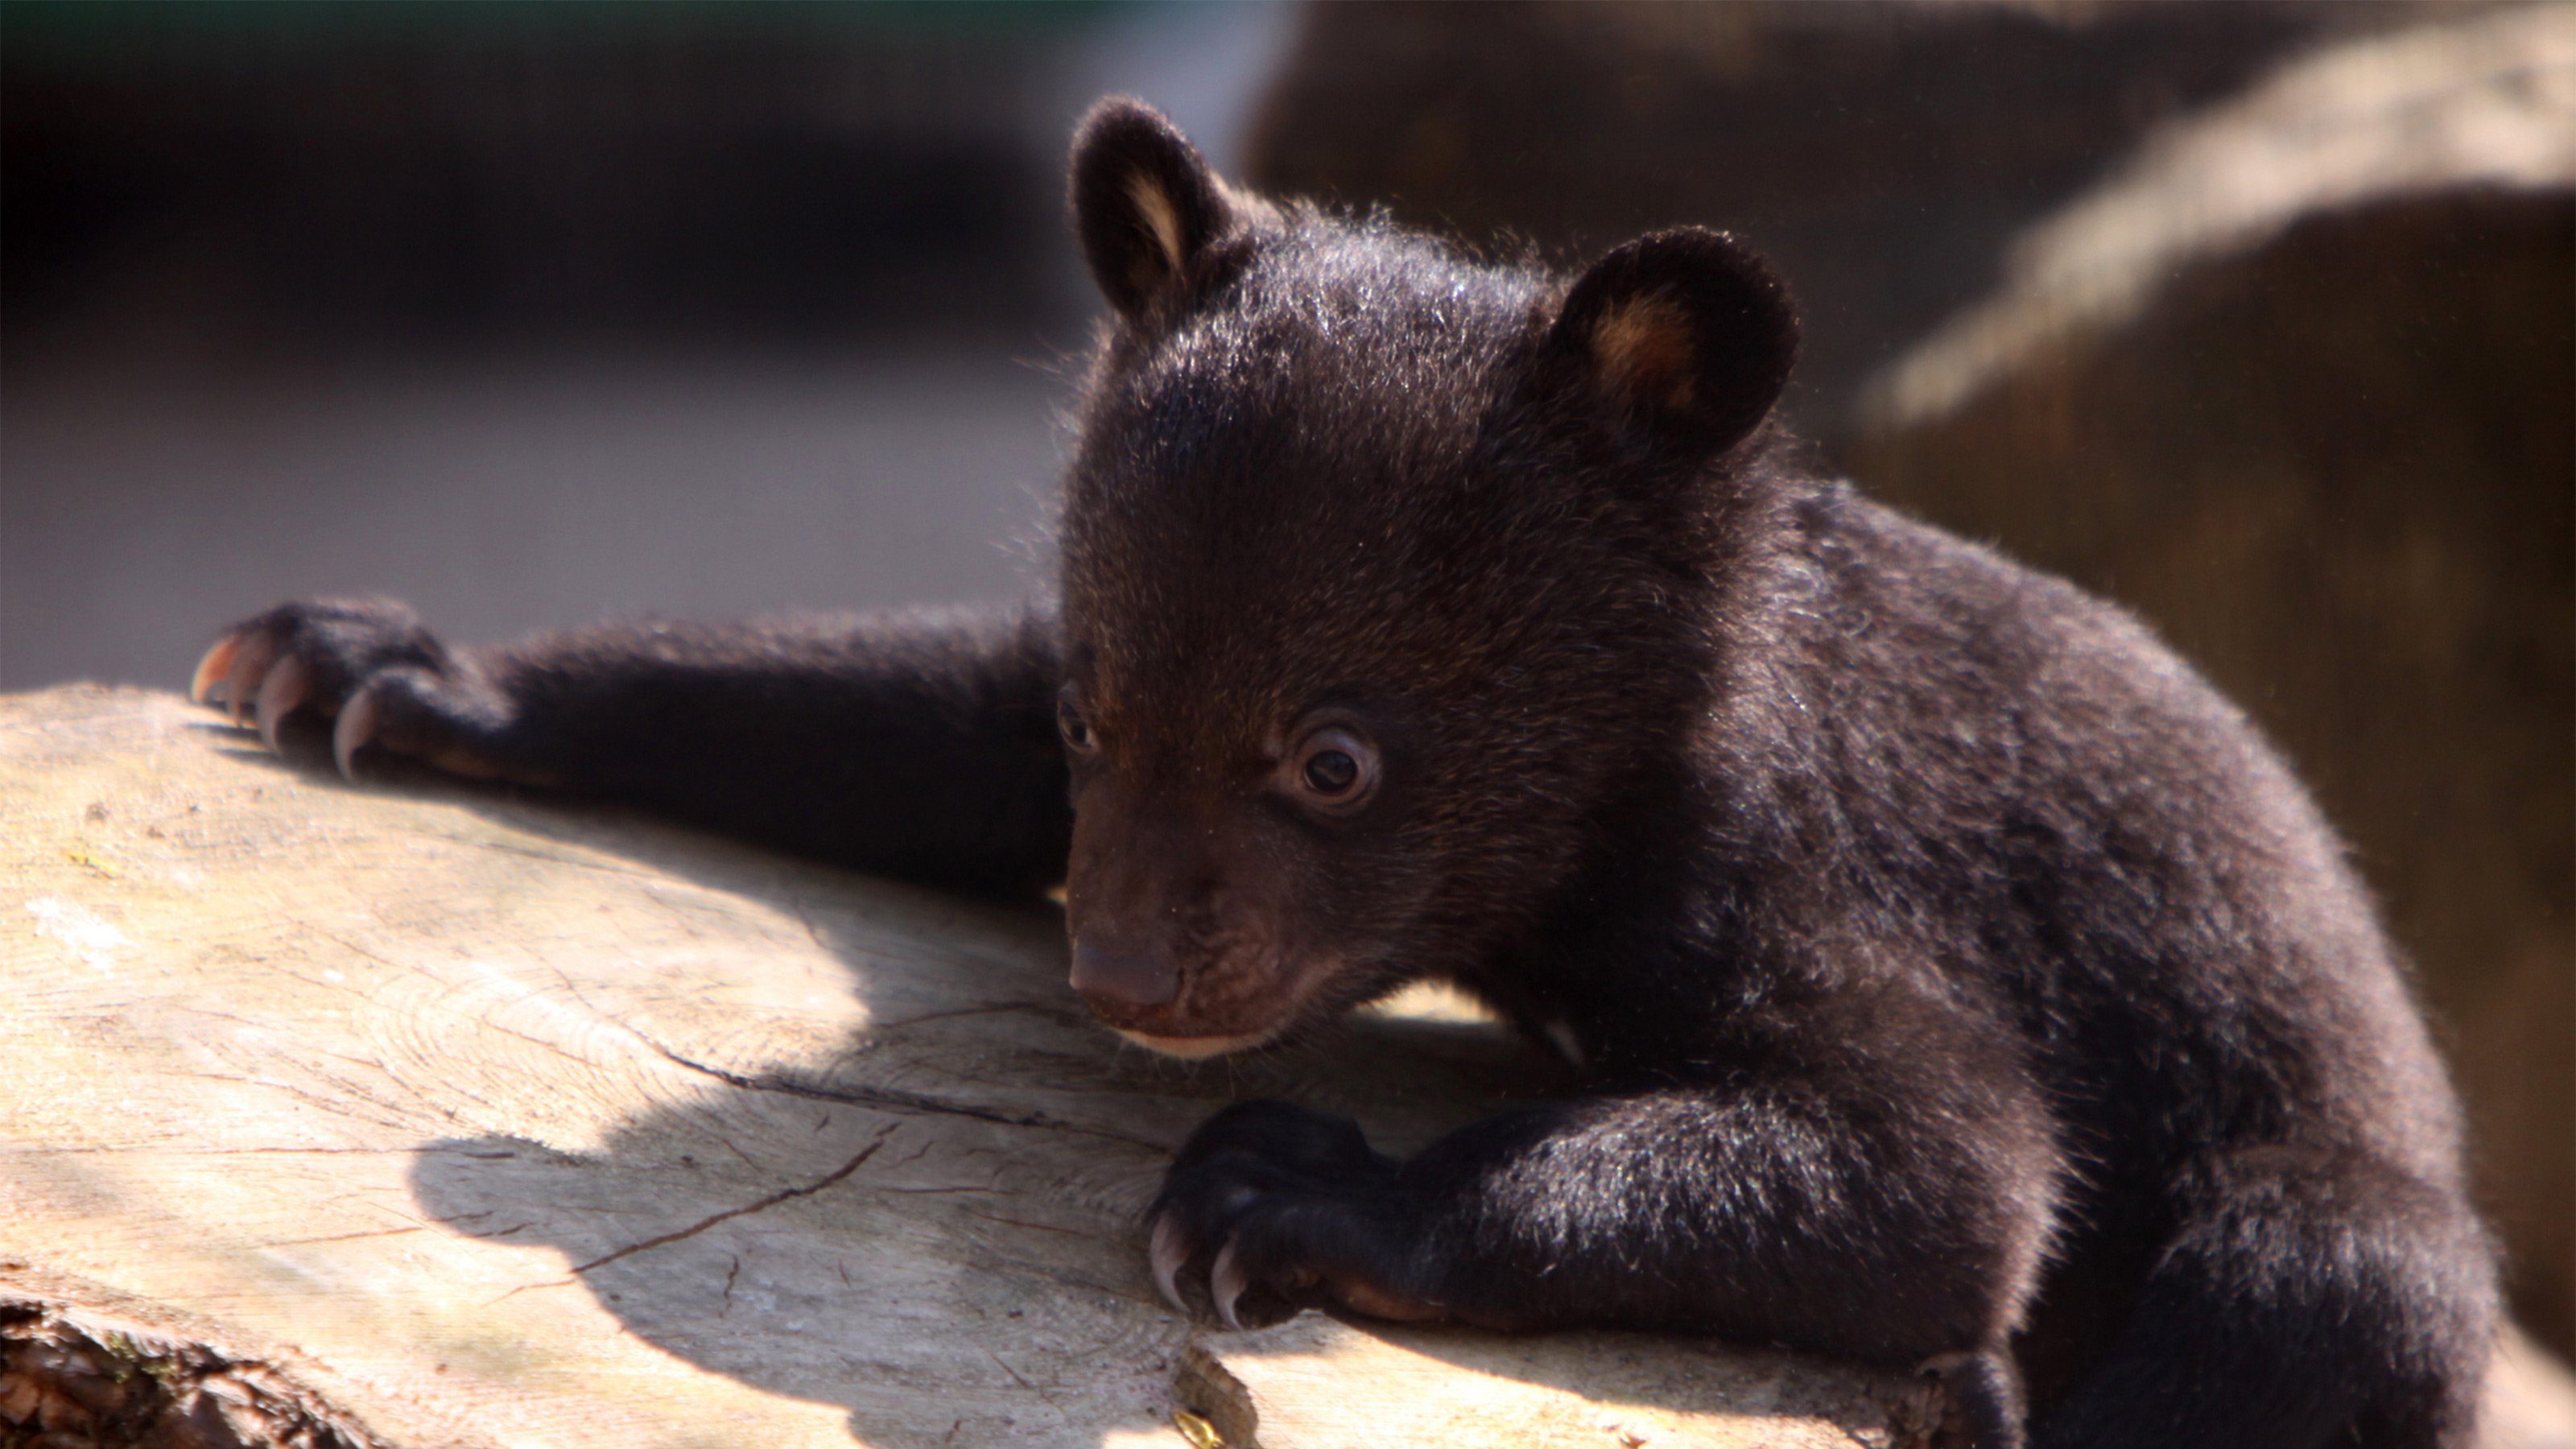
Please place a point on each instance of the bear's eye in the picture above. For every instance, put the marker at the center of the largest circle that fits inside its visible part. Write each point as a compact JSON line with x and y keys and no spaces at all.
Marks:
{"x":1335,"y":768}
{"x":1330,"y":772}
{"x":1070,"y":723}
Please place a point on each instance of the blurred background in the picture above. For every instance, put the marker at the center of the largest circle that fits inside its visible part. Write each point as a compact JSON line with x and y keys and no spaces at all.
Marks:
{"x":2256,"y":316}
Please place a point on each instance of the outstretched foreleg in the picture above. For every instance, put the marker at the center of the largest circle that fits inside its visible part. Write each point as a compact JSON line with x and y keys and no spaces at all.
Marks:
{"x":919,"y":745}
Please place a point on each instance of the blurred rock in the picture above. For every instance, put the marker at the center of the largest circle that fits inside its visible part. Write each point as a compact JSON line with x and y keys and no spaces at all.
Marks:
{"x":1881,"y":151}
{"x":2299,"y":385}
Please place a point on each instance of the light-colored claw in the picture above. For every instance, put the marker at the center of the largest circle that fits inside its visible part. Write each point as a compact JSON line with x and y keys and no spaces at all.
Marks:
{"x":288,"y":685}
{"x":1226,"y":1283}
{"x":1167,"y":1253}
{"x":217,"y":663}
{"x":251,"y":658}
{"x":357,"y":726}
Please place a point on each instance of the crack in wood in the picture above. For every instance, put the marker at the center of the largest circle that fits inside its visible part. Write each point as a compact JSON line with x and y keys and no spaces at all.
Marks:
{"x":511,"y":848}
{"x":729,"y":1214}
{"x":345,"y":1237}
{"x":1031,"y":1007}
{"x":886,"y":1099}
{"x":1037,"y":1227}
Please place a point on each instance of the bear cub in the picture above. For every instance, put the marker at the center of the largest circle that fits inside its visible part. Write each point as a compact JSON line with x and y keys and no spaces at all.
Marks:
{"x":1957,"y":982}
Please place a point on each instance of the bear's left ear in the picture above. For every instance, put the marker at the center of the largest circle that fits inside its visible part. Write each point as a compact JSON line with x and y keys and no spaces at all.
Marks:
{"x":1145,"y":204}
{"x":1687,"y":335}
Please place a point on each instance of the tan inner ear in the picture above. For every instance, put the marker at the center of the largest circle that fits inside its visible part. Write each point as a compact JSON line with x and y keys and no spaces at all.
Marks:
{"x":1645,"y":350}
{"x":1155,"y":209}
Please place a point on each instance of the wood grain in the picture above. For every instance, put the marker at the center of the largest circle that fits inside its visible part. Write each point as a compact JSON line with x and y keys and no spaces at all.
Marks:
{"x":496,"y":1121}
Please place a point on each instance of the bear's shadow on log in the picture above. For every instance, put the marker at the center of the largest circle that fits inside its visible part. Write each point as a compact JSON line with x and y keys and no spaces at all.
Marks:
{"x":934,"y":1220}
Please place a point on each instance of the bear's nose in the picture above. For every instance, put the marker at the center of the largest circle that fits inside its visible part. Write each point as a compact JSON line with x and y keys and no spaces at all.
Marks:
{"x":1112,"y":978}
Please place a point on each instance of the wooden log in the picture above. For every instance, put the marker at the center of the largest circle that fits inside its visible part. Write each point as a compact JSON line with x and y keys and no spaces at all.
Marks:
{"x":422,"y":1115}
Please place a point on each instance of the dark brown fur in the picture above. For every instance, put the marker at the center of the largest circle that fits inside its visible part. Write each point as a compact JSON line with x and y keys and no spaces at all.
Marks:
{"x":1958,"y":981}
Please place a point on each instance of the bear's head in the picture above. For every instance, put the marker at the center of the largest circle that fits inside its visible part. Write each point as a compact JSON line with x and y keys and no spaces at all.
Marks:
{"x":1384,"y":572}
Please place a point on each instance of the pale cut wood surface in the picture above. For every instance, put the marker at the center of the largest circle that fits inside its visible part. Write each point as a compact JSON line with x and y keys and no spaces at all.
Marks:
{"x":499,"y":1122}
{"x":492,"y":1122}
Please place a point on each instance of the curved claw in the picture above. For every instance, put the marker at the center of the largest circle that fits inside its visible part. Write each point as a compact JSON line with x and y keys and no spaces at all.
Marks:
{"x":356,"y":727}
{"x":1226,"y":1284}
{"x":250,"y":665}
{"x":1167,"y":1253}
{"x":217,"y":663}
{"x":287,"y":687}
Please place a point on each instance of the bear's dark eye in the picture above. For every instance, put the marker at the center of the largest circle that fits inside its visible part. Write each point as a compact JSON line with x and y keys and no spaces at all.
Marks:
{"x":1330,"y":772}
{"x":1070,"y":723}
{"x":1334,"y":768}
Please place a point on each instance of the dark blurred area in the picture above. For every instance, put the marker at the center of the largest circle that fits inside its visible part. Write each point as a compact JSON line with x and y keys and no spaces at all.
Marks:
{"x":470,"y":174}
{"x":494,"y":172}
{"x":2253,"y":314}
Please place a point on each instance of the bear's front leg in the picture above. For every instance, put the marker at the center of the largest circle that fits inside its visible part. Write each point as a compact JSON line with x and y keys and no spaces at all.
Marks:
{"x":1284,"y":1208}
{"x":1770,"y":1213}
{"x":919,"y":745}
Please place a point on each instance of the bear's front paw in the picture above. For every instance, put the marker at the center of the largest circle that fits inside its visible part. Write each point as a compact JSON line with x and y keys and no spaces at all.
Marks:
{"x":1280,"y":1209}
{"x":367,"y":664}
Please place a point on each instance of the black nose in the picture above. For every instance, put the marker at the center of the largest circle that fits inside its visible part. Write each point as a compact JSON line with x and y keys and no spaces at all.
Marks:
{"x":1108,"y":976}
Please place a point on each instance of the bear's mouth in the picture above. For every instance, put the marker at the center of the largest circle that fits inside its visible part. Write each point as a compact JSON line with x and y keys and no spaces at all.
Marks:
{"x":1222,"y":1011}
{"x":1197,"y":1048}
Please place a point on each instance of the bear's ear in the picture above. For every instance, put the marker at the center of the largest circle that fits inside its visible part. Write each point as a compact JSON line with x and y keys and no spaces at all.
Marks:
{"x":1144,"y":202}
{"x":1686,"y":335}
